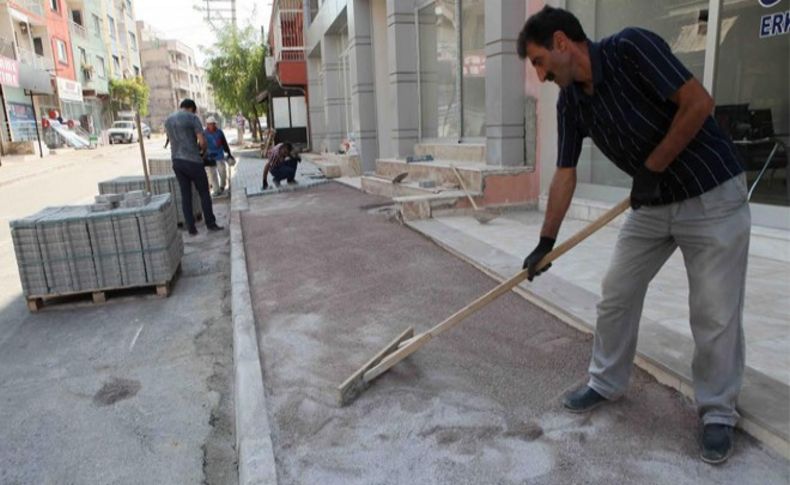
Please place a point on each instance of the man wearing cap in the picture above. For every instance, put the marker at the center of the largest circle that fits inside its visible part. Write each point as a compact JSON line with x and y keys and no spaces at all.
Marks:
{"x":216,"y":148}
{"x":185,"y":133}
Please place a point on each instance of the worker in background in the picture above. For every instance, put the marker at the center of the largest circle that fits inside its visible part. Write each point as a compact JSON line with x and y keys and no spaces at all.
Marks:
{"x":185,"y":133}
{"x":282,"y":163}
{"x":216,"y":149}
{"x":649,"y":115}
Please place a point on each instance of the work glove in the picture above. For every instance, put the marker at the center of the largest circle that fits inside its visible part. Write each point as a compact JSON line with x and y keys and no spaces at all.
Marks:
{"x":543,"y":248}
{"x":645,"y":188}
{"x":231,"y":160}
{"x":265,"y":184}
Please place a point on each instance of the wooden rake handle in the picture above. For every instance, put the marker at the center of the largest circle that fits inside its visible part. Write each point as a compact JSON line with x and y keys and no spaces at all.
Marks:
{"x":410,"y":346}
{"x":463,"y":187}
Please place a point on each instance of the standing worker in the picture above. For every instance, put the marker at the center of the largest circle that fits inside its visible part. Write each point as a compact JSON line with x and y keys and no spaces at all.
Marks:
{"x":216,"y":148}
{"x":649,"y":115}
{"x":185,"y":133}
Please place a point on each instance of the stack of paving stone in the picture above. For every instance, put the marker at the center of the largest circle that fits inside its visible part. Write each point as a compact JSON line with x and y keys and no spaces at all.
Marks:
{"x":77,"y":249}
{"x":160,"y":166}
{"x":160,"y":184}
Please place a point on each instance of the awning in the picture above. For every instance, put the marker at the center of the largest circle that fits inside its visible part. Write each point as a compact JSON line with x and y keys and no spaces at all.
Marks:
{"x":277,"y":91}
{"x":34,"y":80}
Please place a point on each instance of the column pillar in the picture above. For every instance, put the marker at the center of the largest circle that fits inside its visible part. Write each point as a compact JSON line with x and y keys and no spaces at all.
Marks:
{"x":505,"y":105}
{"x":315,"y":93}
{"x":363,"y":99}
{"x":404,"y":94}
{"x":334,"y":99}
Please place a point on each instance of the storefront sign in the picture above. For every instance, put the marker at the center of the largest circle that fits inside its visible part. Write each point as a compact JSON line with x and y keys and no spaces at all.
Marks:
{"x":69,"y":90}
{"x":9,"y":72}
{"x":775,"y":24}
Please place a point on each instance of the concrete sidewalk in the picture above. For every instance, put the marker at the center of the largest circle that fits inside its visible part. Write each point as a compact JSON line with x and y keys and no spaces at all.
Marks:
{"x":572,"y":289}
{"x":332,"y":279}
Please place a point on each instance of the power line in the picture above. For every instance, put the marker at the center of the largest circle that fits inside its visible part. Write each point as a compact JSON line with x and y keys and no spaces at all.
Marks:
{"x":216,"y":11}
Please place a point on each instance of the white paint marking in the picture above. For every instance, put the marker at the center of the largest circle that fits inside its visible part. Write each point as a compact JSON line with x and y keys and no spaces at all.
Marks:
{"x":134,"y":340}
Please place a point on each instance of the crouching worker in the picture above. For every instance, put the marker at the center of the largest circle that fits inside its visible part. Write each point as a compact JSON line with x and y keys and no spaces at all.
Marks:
{"x":216,"y":148}
{"x":282,"y":163}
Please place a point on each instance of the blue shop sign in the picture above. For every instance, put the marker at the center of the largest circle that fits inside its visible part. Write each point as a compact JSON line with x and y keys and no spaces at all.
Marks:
{"x":776,"y":23}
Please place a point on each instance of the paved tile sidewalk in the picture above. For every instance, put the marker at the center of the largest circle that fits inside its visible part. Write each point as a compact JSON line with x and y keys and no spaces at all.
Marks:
{"x":250,"y":174}
{"x":573,"y":284}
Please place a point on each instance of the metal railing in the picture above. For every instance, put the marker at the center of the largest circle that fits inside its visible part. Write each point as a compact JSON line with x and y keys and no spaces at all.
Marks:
{"x":31,"y":6}
{"x":288,"y":31}
{"x":34,"y":60}
{"x":78,"y":30}
{"x":7,"y":48}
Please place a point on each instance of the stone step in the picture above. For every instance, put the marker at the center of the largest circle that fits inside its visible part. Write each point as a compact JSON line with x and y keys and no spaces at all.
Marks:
{"x":439,"y":171}
{"x":462,"y":152}
{"x":449,"y":202}
{"x":334,"y":166}
{"x":375,"y":185}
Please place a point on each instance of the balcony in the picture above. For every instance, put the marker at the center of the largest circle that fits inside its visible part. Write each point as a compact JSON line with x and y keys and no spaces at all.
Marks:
{"x":78,"y":31}
{"x":31,"y":6}
{"x":7,"y":48}
{"x":34,"y":60}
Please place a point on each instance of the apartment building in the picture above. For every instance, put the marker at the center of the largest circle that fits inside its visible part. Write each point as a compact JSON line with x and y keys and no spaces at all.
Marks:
{"x":286,"y":98}
{"x":172,"y":74}
{"x":59,"y":56}
{"x":90,"y":64}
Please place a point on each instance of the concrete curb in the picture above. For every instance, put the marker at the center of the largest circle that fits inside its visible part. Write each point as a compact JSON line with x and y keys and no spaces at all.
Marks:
{"x":254,"y":446}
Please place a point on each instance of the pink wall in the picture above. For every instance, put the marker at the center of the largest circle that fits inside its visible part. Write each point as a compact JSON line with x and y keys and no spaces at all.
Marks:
{"x":58,"y":28}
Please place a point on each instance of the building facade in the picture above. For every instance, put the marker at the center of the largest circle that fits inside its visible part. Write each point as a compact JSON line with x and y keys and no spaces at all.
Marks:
{"x":446,"y":73}
{"x":60,"y":56}
{"x":25,"y":69}
{"x":286,"y":98}
{"x":172,"y":74}
{"x":90,"y":55}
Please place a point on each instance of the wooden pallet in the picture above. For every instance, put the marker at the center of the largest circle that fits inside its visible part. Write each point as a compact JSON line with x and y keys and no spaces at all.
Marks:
{"x":162,"y":290}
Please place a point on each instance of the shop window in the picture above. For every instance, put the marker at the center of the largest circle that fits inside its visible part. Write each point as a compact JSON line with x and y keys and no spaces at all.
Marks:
{"x":752,"y":96}
{"x":452,"y":76}
{"x":682,"y":27}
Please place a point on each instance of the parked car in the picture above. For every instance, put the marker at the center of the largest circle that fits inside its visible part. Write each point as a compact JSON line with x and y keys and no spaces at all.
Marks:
{"x":126,"y":132}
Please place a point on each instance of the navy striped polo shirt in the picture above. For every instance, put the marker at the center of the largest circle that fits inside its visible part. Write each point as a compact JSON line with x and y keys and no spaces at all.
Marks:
{"x":629,"y":113}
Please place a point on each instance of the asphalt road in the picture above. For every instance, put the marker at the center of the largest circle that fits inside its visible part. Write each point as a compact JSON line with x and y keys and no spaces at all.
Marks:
{"x":137,"y":390}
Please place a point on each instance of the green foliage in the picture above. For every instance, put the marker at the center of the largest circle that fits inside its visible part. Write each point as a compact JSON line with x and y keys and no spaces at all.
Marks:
{"x":129,"y":94}
{"x":236,"y":71}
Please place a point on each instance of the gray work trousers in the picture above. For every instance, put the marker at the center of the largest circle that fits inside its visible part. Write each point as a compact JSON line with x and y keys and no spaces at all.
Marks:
{"x":712,"y":231}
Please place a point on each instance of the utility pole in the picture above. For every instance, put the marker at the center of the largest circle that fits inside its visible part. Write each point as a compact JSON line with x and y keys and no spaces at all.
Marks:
{"x":216,"y":13}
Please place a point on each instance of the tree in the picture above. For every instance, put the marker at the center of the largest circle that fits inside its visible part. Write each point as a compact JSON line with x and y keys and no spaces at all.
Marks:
{"x":236,"y":71}
{"x":129,"y":94}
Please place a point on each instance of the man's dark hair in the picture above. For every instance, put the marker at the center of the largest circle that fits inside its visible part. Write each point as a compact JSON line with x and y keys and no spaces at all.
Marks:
{"x":188,"y":104}
{"x":539,"y":29}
